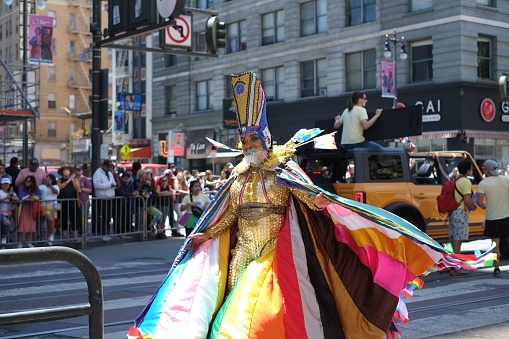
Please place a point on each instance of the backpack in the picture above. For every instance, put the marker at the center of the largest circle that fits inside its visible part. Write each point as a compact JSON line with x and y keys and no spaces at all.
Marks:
{"x":445,"y":201}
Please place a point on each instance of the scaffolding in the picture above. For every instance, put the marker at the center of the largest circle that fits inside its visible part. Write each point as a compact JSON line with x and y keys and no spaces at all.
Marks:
{"x":19,"y":103}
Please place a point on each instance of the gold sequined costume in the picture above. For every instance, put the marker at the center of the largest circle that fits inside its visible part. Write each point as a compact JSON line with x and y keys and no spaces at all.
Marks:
{"x":259,"y":204}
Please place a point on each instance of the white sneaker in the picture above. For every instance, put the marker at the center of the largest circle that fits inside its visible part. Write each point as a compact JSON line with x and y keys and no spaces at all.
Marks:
{"x":51,"y":238}
{"x":19,"y":245}
{"x":106,"y":238}
{"x":4,"y":240}
{"x":30,"y":245}
{"x":50,"y":243}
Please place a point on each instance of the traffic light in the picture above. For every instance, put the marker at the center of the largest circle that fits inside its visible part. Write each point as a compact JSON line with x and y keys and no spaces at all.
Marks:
{"x":503,"y":86}
{"x":215,"y":34}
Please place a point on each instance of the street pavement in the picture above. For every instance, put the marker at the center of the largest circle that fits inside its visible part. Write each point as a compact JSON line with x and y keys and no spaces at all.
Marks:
{"x":120,"y":256}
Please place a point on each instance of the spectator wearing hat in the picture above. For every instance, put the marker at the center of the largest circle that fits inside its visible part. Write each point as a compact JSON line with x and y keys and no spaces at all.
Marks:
{"x":6,"y":196}
{"x":495,"y":188}
{"x":71,"y":207}
{"x":49,"y":205}
{"x":13,"y":169}
{"x":104,"y":186}
{"x":4,"y":174}
{"x":32,"y":169}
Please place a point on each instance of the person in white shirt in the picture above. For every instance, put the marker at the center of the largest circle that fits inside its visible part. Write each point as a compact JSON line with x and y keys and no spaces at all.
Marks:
{"x":354,"y":120}
{"x":49,"y":205}
{"x":496,"y":190}
{"x":102,"y":204}
{"x":6,"y":196}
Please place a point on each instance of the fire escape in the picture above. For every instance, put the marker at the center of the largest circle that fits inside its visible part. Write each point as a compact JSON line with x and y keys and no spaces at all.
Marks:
{"x":79,"y":27}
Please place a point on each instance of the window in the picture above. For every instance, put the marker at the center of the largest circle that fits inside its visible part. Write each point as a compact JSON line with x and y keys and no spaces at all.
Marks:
{"x":53,"y":14}
{"x":16,"y":25}
{"x":170,"y":97}
{"x":201,"y":45}
{"x":484,"y":61}
{"x":274,"y":83}
{"x":72,"y":74}
{"x":205,"y":4}
{"x":360,"y":11}
{"x":313,"y":78}
{"x":361,"y":70}
{"x":1,"y":32}
{"x":273,"y":27}
{"x":385,"y":167}
{"x":419,"y":5}
{"x":72,"y":101}
{"x":51,"y":73}
{"x":229,"y":89}
{"x":170,"y":60}
{"x":51,"y":101}
{"x":313,"y":17}
{"x":489,"y":3}
{"x":422,"y":61}
{"x":72,"y":20}
{"x":237,"y":37}
{"x":52,"y":129}
{"x":72,"y":47}
{"x":203,"y":95}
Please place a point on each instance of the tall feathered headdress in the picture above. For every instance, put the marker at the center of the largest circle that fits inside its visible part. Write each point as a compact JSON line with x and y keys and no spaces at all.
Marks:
{"x":251,"y":106}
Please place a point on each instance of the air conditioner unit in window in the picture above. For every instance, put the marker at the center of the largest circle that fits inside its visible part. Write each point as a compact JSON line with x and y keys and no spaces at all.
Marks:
{"x":323,"y":91}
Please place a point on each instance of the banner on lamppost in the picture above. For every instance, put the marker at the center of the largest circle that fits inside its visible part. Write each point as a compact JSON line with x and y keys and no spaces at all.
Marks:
{"x":388,"y":79}
{"x":118,"y":122}
{"x":40,"y":37}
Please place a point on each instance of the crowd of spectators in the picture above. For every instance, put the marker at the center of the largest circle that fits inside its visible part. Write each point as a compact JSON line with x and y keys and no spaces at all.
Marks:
{"x":31,"y":199}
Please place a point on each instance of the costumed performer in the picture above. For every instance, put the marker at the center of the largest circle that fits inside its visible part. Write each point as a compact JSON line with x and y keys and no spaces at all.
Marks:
{"x":274,"y":256}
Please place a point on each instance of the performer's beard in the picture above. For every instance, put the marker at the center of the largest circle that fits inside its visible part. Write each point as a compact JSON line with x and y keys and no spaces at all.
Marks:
{"x":255,"y":156}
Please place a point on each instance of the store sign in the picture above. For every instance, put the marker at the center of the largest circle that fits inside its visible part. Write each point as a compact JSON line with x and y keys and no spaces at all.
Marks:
{"x":431,"y":110}
{"x":487,"y":110}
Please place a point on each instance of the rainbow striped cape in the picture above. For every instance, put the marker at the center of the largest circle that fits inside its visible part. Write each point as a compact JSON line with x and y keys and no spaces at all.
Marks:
{"x":337,"y":273}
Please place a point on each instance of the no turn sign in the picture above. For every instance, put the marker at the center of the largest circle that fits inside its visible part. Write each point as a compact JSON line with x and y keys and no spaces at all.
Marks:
{"x":179,"y":34}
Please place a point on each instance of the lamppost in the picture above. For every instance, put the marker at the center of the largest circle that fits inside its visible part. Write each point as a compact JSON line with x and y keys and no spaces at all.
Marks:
{"x":388,"y":53}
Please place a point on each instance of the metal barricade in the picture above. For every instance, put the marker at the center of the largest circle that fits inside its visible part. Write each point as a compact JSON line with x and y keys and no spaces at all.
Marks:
{"x":94,"y":308}
{"x":73,"y":222}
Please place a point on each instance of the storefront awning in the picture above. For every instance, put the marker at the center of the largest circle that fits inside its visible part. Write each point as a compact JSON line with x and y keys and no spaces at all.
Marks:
{"x":437,"y":135}
{"x":141,"y":153}
{"x":479,"y":134}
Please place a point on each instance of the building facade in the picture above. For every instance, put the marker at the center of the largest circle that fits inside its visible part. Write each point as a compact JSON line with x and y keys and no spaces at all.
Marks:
{"x":311,"y":55}
{"x":60,"y":134}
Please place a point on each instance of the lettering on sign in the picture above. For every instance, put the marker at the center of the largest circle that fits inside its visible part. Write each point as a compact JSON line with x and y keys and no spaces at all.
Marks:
{"x":197,"y":148}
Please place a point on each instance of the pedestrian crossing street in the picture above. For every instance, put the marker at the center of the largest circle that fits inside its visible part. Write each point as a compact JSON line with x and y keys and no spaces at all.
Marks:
{"x":445,"y":304}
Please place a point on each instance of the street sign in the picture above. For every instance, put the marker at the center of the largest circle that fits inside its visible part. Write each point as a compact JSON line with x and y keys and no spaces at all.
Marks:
{"x":87,"y":55}
{"x":126,"y":149}
{"x":129,"y":102}
{"x":179,"y":34}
